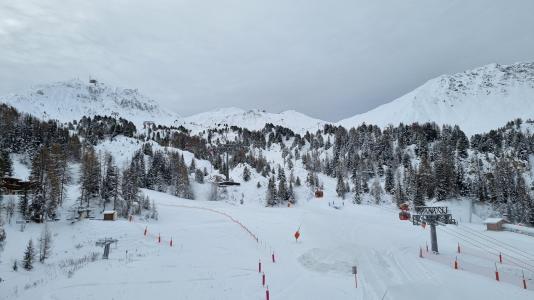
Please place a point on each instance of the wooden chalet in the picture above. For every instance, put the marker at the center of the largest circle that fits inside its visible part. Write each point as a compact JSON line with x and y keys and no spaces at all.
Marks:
{"x":14,"y":186}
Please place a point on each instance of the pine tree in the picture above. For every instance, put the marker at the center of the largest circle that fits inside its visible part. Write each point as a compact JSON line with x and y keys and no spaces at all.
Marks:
{"x":15,"y":266}
{"x":3,"y":235}
{"x":246,"y":174}
{"x":340,"y":186}
{"x":419,"y":198}
{"x":199,"y":176}
{"x":376,"y":190}
{"x":23,"y":205}
{"x":110,"y":186}
{"x":297,"y":182}
{"x":45,"y":244}
{"x":272,"y":195}
{"x":6,"y":165}
{"x":29,"y":254}
{"x":90,"y":176}
{"x":129,"y":193}
{"x":291,"y":194}
{"x":192,"y":166}
{"x":399,"y":194}
{"x":389,"y":184}
{"x":154,"y":211}
{"x":39,"y":180}
{"x":282,"y":186}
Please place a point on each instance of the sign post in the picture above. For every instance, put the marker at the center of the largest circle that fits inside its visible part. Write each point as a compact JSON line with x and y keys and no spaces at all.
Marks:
{"x":355,"y":272}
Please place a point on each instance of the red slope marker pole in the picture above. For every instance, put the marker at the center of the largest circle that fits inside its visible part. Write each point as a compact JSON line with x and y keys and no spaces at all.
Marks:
{"x":274,"y":260}
{"x":459,"y":248}
{"x":263,"y":279}
{"x":500,"y":257}
{"x":524,"y":281}
{"x":267,"y":294}
{"x":496,"y":273}
{"x":146,"y":230}
{"x":456,"y":263}
{"x":159,"y":238}
{"x":259,"y":266}
{"x":170,"y":243}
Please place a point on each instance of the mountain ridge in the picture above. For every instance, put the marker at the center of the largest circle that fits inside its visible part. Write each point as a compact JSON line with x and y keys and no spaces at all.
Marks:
{"x":477,"y":100}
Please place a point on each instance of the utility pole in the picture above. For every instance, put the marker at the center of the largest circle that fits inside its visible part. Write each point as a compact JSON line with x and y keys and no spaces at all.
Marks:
{"x":432,"y":215}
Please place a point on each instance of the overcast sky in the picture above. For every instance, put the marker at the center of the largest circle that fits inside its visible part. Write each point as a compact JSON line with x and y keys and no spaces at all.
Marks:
{"x":330,"y":59}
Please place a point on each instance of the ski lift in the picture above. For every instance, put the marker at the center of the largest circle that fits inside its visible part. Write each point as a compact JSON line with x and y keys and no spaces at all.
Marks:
{"x":404,"y":215}
{"x":404,"y":206}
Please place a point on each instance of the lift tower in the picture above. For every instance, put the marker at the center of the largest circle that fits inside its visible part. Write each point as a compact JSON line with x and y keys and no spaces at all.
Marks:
{"x":432,"y":215}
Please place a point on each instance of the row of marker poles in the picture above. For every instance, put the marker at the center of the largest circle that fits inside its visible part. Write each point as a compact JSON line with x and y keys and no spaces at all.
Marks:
{"x":497,"y":275}
{"x":263,"y":280}
{"x":145,"y":233}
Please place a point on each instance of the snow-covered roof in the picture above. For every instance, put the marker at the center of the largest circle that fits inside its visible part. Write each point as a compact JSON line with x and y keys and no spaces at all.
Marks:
{"x":109,"y":212}
{"x":493,"y":220}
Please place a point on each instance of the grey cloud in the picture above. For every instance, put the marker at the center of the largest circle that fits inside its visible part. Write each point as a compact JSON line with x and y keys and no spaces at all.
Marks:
{"x":329,"y":59}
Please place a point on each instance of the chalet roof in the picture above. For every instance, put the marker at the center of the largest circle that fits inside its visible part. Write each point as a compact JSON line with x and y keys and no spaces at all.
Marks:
{"x":107,"y":212}
{"x":493,"y":220}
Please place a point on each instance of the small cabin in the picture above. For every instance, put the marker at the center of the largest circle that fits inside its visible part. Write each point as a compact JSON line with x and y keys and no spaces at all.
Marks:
{"x":494,"y":224}
{"x":319,"y":194}
{"x":14,"y":186}
{"x":110,"y":215}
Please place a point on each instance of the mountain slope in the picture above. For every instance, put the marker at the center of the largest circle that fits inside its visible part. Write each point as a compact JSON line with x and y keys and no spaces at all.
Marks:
{"x":477,"y":100}
{"x":252,"y":119}
{"x":70,"y":100}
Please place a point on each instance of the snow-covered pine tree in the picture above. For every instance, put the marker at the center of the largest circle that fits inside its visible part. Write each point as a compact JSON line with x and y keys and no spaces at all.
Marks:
{"x":154,"y":211}
{"x":90,"y":176}
{"x":192,"y":166}
{"x":246,"y":174}
{"x":282,"y":186}
{"x":291,"y":194}
{"x":129,"y":193}
{"x":45,"y":244}
{"x":199,"y":176}
{"x":6,"y":165}
{"x":110,"y":186}
{"x":39,"y":190}
{"x":398,"y":194}
{"x":23,"y":205}
{"x":272,"y":195}
{"x":389,"y":184}
{"x":29,"y":255}
{"x":376,"y":190}
{"x":340,"y":186}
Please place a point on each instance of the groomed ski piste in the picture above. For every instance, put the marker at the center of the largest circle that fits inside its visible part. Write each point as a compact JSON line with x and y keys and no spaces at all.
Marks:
{"x":217,"y":246}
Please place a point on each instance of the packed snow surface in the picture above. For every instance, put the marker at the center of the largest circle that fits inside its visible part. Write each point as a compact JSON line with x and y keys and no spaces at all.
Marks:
{"x":214,"y":257}
{"x":477,"y":100}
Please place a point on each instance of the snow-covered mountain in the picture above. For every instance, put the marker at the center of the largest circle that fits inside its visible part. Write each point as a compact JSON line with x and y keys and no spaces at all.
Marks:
{"x":70,"y":100}
{"x":252,"y":119}
{"x":477,"y":100}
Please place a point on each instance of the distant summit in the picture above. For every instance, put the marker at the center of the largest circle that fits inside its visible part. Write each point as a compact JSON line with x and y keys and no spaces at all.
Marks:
{"x":253,"y":120}
{"x":71,"y":100}
{"x":477,"y":100}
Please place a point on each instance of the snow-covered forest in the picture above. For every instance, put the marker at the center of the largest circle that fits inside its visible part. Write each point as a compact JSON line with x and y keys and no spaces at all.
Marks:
{"x":70,"y":170}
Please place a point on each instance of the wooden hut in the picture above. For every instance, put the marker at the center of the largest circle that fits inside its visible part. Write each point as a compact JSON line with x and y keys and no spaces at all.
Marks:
{"x":494,"y":224}
{"x":110,"y":215}
{"x":319,"y":194}
{"x":14,"y":186}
